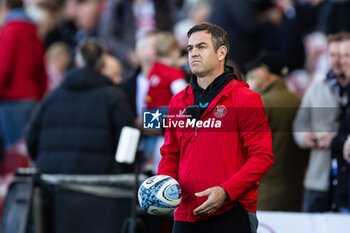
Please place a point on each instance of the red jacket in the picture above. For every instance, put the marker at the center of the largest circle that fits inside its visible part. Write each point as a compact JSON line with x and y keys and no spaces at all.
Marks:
{"x":234,"y":156}
{"x":22,"y":70}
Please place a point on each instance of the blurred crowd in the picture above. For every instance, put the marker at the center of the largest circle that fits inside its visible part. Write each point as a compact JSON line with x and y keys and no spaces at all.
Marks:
{"x":74,"y":72}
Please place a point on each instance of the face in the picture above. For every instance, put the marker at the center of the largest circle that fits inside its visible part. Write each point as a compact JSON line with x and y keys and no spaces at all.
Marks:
{"x":345,"y":57}
{"x":63,"y":61}
{"x":334,"y":57}
{"x":70,"y":9}
{"x":112,"y":69}
{"x":87,"y":15}
{"x":258,"y":79}
{"x":203,"y":59}
{"x":200,"y":13}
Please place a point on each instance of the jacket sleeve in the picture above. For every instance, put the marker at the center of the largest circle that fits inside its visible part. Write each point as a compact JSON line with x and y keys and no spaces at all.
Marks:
{"x":302,"y":121}
{"x":170,"y":151}
{"x":7,"y":53}
{"x":255,"y":136}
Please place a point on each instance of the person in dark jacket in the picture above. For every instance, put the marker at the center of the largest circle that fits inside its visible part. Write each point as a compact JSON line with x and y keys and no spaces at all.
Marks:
{"x":243,"y":21}
{"x":340,"y":164}
{"x":76,"y":128}
{"x":341,"y":142}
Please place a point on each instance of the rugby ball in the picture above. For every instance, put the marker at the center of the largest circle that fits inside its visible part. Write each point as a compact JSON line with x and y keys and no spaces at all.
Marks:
{"x":159,"y":195}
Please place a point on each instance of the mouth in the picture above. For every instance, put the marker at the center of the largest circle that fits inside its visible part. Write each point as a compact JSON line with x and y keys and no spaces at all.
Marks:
{"x":196,"y":61}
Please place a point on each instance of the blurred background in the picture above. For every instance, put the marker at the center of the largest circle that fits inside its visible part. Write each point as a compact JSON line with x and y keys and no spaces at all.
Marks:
{"x":68,"y":65}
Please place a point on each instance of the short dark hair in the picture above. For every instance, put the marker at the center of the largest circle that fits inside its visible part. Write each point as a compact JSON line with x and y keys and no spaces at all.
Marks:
{"x":219,"y":36}
{"x":12,"y":4}
{"x":90,"y":53}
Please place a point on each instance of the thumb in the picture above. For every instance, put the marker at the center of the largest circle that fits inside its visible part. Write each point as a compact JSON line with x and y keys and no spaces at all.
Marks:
{"x":203,"y":193}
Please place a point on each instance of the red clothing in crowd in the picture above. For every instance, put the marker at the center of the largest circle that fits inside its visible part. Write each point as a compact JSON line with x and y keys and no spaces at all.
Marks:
{"x":22,"y":70}
{"x":160,"y":78}
{"x":234,"y":156}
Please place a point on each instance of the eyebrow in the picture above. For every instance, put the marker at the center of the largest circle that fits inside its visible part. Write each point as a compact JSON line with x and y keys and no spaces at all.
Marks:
{"x":197,"y":45}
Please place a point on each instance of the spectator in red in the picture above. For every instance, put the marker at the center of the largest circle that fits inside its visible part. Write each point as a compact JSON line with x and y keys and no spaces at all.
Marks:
{"x":23,"y":79}
{"x":165,"y":79}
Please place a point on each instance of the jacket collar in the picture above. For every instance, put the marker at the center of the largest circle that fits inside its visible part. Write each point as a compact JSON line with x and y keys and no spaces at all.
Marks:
{"x":234,"y":84}
{"x":85,"y":78}
{"x":17,"y":14}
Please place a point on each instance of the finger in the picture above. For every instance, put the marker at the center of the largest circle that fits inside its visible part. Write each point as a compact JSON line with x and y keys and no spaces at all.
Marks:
{"x":203,"y":193}
{"x":202,"y":209}
{"x":206,"y":210}
{"x":323,"y":145}
{"x":213,"y":210}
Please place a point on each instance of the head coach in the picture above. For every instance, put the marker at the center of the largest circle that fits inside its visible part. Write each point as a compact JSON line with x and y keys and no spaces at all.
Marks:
{"x":218,"y":169}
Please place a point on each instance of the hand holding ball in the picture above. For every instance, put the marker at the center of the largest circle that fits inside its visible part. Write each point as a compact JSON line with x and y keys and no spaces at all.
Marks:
{"x":159,"y":195}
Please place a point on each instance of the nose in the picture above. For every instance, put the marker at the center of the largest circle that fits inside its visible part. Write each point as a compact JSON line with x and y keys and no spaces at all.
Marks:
{"x":342,"y":60}
{"x":194,"y":52}
{"x":338,"y":60}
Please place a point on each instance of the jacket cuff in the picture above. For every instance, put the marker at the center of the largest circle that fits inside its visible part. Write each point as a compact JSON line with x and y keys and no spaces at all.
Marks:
{"x":232,"y":195}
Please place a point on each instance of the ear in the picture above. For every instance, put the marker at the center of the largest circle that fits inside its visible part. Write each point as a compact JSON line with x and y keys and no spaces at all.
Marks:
{"x":222,"y":52}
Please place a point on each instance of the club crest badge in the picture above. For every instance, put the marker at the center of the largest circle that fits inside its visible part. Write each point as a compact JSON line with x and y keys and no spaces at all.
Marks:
{"x":220,"y":111}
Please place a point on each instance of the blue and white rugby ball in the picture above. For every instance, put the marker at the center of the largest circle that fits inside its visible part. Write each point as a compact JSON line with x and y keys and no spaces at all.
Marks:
{"x":159,"y":195}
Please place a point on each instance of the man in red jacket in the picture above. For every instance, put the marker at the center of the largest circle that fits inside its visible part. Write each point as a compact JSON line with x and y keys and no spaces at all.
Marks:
{"x":223,"y":149}
{"x":23,"y":79}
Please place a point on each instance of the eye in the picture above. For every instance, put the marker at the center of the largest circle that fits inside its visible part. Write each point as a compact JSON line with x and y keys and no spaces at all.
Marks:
{"x":189,"y":49}
{"x":201,"y":47}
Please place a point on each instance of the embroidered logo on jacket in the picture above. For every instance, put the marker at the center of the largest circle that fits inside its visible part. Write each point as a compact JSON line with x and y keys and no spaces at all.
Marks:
{"x":220,"y":111}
